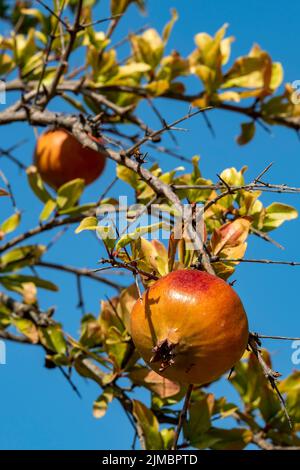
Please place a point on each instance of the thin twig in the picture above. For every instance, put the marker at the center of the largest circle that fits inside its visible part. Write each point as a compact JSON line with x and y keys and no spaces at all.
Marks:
{"x":79,"y":272}
{"x":260,"y":261}
{"x":260,"y":440}
{"x":70,"y":382}
{"x":9,"y":189}
{"x":183,"y":415}
{"x":152,"y":136}
{"x":52,"y":12}
{"x":287,"y":338}
{"x":80,"y":304}
{"x":270,"y":374}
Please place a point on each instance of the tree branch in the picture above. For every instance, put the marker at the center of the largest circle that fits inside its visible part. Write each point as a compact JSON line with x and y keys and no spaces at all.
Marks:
{"x":79,"y":272}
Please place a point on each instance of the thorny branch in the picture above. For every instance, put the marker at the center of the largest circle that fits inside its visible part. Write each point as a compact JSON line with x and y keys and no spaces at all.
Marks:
{"x":79,"y":272}
{"x":271,"y":375}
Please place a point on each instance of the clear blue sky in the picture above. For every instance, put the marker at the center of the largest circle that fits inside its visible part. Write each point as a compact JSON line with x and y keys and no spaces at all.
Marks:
{"x":38,"y":408}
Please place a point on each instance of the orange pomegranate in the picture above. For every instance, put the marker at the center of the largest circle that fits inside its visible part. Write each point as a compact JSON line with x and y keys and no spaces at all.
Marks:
{"x":60,"y":158}
{"x":190,"y":326}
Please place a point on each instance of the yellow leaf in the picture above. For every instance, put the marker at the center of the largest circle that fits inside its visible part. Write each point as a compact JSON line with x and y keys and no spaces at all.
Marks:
{"x":169,"y":26}
{"x":202,"y":40}
{"x":229,"y":96}
{"x":134,"y":67}
{"x":226,"y":49}
{"x":158,"y":87}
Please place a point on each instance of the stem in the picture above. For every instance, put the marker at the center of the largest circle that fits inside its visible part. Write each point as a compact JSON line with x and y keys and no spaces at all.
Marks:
{"x":79,"y":272}
{"x":182,"y":416}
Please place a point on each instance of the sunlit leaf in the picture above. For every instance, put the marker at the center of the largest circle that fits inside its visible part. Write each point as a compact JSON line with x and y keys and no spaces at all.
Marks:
{"x":28,"y":328}
{"x":148,"y":427}
{"x":119,"y":6}
{"x":88,"y":223}
{"x":20,"y":257}
{"x":69,"y":193}
{"x":169,"y":26}
{"x":137,"y":233}
{"x":10,"y":224}
{"x":53,"y":339}
{"x":15,"y":281}
{"x":37,"y":185}
{"x":49,"y":207}
{"x":225,"y":439}
{"x":276,"y":214}
{"x":101,"y":404}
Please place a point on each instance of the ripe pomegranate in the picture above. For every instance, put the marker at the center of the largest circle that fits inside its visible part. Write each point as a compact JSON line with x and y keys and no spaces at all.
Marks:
{"x":190,"y":327}
{"x":60,"y":158}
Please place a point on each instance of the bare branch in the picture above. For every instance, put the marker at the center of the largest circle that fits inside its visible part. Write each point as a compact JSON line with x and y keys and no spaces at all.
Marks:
{"x":260,"y":261}
{"x":12,"y":337}
{"x":260,"y":440}
{"x":183,"y":415}
{"x":270,"y":374}
{"x":79,"y":272}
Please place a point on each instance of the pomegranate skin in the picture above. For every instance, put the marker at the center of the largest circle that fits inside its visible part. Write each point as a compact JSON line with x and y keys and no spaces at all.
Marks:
{"x":60,"y":158}
{"x":190,"y":327}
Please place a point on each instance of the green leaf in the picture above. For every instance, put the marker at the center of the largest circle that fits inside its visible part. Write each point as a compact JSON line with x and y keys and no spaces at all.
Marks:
{"x":132,"y":68}
{"x":20,"y":257}
{"x":225,"y":439}
{"x":168,"y":435}
{"x":118,"y":345}
{"x":5,"y":316}
{"x":86,"y":368}
{"x":10,"y":224}
{"x":69,"y":193}
{"x":291,"y":387}
{"x":148,"y":47}
{"x":59,"y":359}
{"x":53,"y":339}
{"x":101,"y":404}
{"x":169,"y":26}
{"x":28,"y":328}
{"x":36,"y":183}
{"x":139,"y":231}
{"x":6,"y":64}
{"x":247,"y":133}
{"x":277,"y":214}
{"x":88,"y":223}
{"x":49,"y":207}
{"x":91,"y":334}
{"x":118,"y":7}
{"x":199,"y":420}
{"x":127,"y":175}
{"x":148,"y":427}
{"x":15,"y":281}
{"x":77,"y":210}
{"x":108,"y":236}
{"x":233,"y":177}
